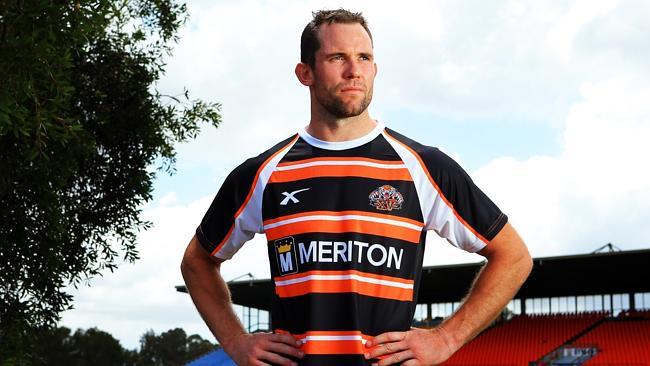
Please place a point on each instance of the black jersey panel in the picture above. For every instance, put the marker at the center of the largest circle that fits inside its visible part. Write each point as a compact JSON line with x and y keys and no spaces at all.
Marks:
{"x":332,"y":360}
{"x":378,"y":149}
{"x":337,"y":194}
{"x":476,"y":209}
{"x":220,"y":217}
{"x":335,"y":360}
{"x":342,"y":311}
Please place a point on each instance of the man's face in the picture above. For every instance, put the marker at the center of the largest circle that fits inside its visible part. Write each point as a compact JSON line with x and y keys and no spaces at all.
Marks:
{"x":344,"y":70}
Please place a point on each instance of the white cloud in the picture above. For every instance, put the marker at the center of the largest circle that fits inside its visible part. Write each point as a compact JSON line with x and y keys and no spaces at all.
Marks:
{"x":559,"y":39}
{"x":598,"y":190}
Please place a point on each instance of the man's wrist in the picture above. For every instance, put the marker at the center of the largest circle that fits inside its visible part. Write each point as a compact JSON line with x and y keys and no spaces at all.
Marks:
{"x":228,"y":342}
{"x":452,"y":343}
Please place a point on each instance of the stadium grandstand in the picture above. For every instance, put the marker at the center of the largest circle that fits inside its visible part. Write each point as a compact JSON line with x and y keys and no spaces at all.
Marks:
{"x":588,"y":309}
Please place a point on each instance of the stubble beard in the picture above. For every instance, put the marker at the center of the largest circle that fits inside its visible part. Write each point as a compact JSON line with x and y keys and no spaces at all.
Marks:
{"x":340,"y":109}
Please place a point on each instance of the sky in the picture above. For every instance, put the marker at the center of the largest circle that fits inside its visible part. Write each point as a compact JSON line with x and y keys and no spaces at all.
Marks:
{"x":545,"y":104}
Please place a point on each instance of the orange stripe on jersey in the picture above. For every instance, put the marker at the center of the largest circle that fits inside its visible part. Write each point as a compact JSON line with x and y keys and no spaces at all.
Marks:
{"x":346,"y":272}
{"x":344,"y":226}
{"x":435,"y":185}
{"x":345,"y":213}
{"x":338,"y":286}
{"x":333,"y":347}
{"x":281,"y":176}
{"x":339,"y":159}
{"x":348,"y":281}
{"x":331,"y":342}
{"x":250,"y":193}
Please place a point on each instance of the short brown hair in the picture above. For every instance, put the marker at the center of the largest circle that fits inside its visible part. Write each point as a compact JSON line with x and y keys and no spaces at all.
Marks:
{"x":309,"y":41}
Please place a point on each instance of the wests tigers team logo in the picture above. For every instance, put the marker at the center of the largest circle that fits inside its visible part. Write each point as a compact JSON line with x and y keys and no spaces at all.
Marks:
{"x":386,"y":198}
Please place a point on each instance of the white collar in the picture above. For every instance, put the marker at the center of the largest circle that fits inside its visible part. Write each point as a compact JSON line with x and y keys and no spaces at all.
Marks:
{"x":342,"y":145}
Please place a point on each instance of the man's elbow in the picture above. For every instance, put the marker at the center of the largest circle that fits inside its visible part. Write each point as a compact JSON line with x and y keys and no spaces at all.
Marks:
{"x":192,"y":260}
{"x":521,"y":261}
{"x":526,"y":264}
{"x":514,"y":259}
{"x":187,"y":267}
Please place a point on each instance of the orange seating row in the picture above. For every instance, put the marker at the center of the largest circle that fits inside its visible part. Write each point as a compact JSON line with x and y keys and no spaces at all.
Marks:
{"x":524,"y":338}
{"x":620,"y":342}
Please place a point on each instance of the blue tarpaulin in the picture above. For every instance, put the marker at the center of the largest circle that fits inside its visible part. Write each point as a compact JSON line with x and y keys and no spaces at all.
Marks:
{"x":215,"y":358}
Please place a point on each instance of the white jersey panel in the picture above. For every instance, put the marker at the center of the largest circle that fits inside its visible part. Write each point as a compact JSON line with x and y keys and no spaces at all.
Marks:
{"x":437,"y":213}
{"x":249,"y":221}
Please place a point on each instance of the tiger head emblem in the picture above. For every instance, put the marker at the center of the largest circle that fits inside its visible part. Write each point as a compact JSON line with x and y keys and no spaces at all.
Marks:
{"x":386,"y":198}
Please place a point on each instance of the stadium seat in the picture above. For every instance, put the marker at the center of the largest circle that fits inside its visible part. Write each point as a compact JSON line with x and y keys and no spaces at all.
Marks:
{"x":523,"y":339}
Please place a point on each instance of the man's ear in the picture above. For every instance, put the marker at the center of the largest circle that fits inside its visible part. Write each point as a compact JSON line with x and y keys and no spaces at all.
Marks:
{"x":304,"y":74}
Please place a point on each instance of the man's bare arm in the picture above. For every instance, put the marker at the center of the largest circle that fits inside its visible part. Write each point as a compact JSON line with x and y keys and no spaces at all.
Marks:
{"x":209,"y":291}
{"x":508,"y":266}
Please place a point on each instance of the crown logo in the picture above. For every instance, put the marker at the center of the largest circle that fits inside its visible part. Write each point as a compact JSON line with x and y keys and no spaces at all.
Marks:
{"x":285,"y":254}
{"x":284,"y":248}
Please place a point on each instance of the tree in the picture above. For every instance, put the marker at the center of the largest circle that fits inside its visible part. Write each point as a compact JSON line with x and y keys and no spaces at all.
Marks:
{"x":167,"y":349}
{"x":81,"y":123}
{"x":53,"y":347}
{"x":90,"y":347}
{"x":197,"y":347}
{"x":94,"y":347}
{"x":172,"y":347}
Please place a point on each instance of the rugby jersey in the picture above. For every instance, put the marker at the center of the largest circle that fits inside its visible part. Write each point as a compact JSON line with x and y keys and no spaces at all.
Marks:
{"x":346,"y":224}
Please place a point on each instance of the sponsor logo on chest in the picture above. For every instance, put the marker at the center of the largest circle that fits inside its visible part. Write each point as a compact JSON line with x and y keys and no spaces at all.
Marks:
{"x":320,"y":251}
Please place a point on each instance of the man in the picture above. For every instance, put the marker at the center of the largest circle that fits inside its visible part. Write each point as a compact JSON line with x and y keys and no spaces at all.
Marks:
{"x":346,"y":205}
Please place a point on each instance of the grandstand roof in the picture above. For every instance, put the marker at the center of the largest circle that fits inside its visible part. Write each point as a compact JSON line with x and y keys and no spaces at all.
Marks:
{"x":573,"y":275}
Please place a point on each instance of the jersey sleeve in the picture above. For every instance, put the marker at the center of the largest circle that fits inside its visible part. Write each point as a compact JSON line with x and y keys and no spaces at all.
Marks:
{"x":452,"y":205}
{"x":235,"y":215}
{"x":225,"y":228}
{"x":461,"y":212}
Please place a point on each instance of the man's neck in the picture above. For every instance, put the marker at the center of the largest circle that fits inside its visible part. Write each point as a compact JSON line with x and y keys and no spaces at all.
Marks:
{"x":341,"y":129}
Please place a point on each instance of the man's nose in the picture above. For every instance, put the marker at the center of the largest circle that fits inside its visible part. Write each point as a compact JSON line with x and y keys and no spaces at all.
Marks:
{"x":353,"y":70}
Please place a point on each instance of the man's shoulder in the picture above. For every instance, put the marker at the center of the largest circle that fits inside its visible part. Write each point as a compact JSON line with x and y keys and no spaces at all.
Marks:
{"x":429,"y":154}
{"x":252,"y":165}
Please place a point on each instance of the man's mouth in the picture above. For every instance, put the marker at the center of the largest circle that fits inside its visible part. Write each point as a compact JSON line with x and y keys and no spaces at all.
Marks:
{"x":352,"y":89}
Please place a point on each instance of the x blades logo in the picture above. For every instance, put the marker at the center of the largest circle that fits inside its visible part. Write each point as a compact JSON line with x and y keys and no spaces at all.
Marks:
{"x":290,"y":196}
